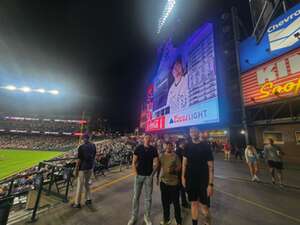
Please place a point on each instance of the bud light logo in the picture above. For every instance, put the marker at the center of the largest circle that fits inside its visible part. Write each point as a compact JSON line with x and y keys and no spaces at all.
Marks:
{"x":188,"y":117}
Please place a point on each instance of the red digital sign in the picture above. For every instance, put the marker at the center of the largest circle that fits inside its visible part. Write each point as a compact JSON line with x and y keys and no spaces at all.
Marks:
{"x":275,"y":80}
{"x":155,"y":124}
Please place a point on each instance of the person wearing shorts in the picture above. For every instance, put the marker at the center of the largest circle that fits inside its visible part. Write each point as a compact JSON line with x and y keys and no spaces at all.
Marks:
{"x":252,"y":161}
{"x":197,"y":176}
{"x":273,"y":155}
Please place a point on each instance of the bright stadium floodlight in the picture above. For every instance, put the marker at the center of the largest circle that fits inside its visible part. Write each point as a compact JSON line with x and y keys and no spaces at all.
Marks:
{"x":54,"y":92}
{"x":10,"y":87}
{"x":167,"y":11}
{"x":25,"y":89}
{"x":41,"y":90}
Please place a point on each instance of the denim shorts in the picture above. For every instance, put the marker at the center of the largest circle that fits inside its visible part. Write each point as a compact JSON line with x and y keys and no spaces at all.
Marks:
{"x":252,"y":160}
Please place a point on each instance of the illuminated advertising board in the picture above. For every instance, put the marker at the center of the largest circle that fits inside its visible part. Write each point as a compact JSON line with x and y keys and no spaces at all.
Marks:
{"x":282,"y":36}
{"x":272,"y":81}
{"x":184,"y":89}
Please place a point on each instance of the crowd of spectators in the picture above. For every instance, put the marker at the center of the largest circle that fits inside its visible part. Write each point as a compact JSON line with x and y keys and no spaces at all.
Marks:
{"x":40,"y":125}
{"x":108,"y":151}
{"x":23,"y":183}
{"x":113,"y":151}
{"x":37,"y":142}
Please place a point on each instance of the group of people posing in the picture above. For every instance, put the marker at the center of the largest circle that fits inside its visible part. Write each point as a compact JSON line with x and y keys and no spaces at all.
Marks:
{"x":188,"y":170}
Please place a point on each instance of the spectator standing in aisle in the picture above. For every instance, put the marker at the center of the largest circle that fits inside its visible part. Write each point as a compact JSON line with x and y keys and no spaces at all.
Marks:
{"x":170,"y":165}
{"x":198,"y":176}
{"x":273,"y":155}
{"x":144,"y":164}
{"x":84,"y":170}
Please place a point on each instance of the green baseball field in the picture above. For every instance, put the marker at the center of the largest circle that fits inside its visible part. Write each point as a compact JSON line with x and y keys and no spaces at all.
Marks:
{"x":14,"y":161}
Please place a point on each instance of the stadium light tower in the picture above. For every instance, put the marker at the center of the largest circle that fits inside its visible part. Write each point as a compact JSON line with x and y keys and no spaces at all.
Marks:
{"x":10,"y":87}
{"x":25,"y":89}
{"x":54,"y":92}
{"x":167,"y":11}
{"x":41,"y":90}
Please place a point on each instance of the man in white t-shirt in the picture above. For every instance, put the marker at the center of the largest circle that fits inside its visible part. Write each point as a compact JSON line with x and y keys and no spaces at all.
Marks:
{"x":178,"y":94}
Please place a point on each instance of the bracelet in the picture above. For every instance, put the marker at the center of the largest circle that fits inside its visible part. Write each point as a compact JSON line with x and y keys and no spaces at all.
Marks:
{"x":211,"y":184}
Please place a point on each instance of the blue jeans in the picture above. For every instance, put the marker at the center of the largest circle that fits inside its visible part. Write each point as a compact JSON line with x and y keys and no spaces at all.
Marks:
{"x":139,"y":182}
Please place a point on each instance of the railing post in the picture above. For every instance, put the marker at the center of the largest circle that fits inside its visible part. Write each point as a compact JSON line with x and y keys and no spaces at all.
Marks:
{"x":51,"y":179}
{"x":5,"y":206}
{"x":39,"y":185}
{"x":68,"y":178}
{"x":10,"y":187}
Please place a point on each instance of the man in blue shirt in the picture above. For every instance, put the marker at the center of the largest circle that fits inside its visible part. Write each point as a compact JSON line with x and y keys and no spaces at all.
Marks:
{"x":85,"y":164}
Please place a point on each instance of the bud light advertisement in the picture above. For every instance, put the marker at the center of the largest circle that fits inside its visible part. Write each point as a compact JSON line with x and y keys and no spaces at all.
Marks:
{"x":184,"y":90}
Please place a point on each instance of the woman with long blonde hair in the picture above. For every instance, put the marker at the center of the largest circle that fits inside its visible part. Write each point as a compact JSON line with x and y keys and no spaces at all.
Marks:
{"x":252,"y":161}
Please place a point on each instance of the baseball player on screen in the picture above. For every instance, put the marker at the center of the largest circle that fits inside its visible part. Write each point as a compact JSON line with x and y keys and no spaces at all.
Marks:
{"x":178,"y":94}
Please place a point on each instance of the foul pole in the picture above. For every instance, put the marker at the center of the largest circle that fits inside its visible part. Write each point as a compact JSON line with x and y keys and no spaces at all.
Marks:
{"x":81,"y":128}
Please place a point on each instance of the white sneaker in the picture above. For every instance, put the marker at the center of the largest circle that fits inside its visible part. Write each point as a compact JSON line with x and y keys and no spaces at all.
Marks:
{"x":132,"y":221}
{"x":253,"y":178}
{"x":256,"y":178}
{"x":147,"y":220}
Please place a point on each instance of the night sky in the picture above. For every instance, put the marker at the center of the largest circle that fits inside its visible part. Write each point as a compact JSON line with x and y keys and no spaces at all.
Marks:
{"x":100,"y":54}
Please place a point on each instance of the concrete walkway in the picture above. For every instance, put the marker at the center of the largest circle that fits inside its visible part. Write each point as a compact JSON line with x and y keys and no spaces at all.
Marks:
{"x":237,"y":201}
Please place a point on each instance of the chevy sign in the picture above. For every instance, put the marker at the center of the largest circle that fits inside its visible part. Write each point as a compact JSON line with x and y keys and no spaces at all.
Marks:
{"x":283,"y":35}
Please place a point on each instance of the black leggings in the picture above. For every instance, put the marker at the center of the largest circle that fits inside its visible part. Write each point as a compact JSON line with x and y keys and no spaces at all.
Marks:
{"x":170,"y":194}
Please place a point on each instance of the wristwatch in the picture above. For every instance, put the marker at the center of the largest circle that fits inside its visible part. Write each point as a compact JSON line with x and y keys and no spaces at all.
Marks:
{"x":211,"y":184}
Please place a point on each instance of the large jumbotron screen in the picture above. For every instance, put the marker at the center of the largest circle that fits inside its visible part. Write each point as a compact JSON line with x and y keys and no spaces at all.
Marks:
{"x":184,"y":89}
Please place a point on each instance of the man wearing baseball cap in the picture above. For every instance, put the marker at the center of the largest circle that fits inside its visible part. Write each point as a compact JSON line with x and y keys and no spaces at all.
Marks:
{"x":86,"y":159}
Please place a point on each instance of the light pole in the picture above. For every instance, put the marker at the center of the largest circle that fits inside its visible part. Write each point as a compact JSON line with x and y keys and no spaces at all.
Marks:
{"x":237,"y":44}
